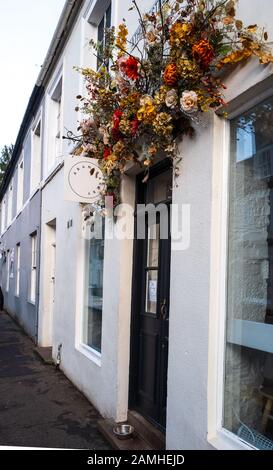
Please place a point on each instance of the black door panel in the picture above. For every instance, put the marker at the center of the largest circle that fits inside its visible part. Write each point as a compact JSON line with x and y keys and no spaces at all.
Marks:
{"x":150,"y":311}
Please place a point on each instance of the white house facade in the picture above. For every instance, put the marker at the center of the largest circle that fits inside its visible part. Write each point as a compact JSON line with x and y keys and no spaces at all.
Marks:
{"x":181,"y":336}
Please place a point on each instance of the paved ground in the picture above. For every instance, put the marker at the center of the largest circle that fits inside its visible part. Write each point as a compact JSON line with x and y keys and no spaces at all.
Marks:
{"x":39,"y":407}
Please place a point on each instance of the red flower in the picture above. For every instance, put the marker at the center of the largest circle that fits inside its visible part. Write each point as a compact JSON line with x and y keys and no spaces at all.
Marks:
{"x":107,"y":152}
{"x":116,"y":119}
{"x":134,"y":126}
{"x":129,"y":67}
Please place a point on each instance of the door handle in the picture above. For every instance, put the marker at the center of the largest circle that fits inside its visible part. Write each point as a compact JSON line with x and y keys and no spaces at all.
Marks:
{"x":163,"y":309}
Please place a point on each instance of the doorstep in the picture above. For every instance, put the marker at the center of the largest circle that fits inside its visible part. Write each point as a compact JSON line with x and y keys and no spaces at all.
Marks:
{"x":45,"y":354}
{"x":146,"y":436}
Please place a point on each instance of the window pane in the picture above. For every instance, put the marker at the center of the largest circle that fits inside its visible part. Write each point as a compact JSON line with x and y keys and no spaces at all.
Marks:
{"x":18,"y":261}
{"x":33,"y":274}
{"x":103,"y":25}
{"x":248,"y":405}
{"x":101,"y":30}
{"x":153,"y":246}
{"x":159,"y":189}
{"x":108,"y":16}
{"x":151,"y":291}
{"x":93,"y":293}
{"x":7,"y":270}
{"x":100,"y":39}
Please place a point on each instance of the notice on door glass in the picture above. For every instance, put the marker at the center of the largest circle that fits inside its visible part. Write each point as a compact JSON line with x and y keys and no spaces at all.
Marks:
{"x":152,"y":291}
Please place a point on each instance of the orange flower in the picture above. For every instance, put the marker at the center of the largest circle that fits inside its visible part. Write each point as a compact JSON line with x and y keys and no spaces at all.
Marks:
{"x":171,"y":75}
{"x":203,"y":51}
{"x":180,"y":33}
{"x":121,"y":40}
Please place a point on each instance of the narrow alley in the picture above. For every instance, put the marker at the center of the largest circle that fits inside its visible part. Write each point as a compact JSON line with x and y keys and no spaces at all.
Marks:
{"x":39,"y":406}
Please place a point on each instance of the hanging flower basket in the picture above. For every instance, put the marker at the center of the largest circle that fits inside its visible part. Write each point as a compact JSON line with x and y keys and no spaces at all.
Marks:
{"x":147,"y":93}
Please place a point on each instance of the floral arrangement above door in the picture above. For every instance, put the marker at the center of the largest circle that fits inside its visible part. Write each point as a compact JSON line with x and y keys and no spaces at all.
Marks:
{"x":149,"y":90}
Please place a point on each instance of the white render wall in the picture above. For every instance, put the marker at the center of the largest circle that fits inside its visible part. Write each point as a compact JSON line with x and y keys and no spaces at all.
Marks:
{"x":191,"y":398}
{"x":106,"y":385}
{"x":189,"y":301}
{"x":192,"y":272}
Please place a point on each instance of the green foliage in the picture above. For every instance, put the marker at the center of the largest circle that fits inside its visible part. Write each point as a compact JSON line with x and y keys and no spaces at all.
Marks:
{"x":5,"y":157}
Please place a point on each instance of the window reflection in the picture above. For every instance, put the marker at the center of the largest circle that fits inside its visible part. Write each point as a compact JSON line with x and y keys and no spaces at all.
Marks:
{"x":248,"y":405}
{"x":92,"y":327}
{"x":151,"y":291}
{"x":159,"y":189}
{"x":153,"y":246}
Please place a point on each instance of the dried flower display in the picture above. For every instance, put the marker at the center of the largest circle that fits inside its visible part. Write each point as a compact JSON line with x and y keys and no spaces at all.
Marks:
{"x":146,"y":93}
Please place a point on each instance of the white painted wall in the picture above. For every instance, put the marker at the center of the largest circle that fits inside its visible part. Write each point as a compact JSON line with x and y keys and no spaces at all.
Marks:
{"x":110,"y":392}
{"x":105,"y":384}
{"x":193,"y":313}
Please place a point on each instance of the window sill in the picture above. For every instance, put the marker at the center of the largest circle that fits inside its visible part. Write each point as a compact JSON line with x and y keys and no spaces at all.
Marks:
{"x":90,"y":353}
{"x":51,"y":173}
{"x":34,"y":191}
{"x":225,"y":440}
{"x":18,"y":213}
{"x":32,"y":302}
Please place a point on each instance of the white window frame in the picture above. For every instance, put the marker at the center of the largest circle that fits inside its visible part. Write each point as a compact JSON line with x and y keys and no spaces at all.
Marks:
{"x":36,"y":155}
{"x":3,"y":214}
{"x":9,"y":203}
{"x":104,"y":21}
{"x":54,"y":119}
{"x":218,"y":436}
{"x":8,"y":271}
{"x":93,"y":12}
{"x":18,"y":270}
{"x":89,"y":352}
{"x":20,"y":185}
{"x":33,"y":271}
{"x":85,"y":346}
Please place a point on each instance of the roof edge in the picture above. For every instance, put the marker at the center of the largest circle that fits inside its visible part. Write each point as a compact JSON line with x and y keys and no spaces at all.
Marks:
{"x":62,"y":32}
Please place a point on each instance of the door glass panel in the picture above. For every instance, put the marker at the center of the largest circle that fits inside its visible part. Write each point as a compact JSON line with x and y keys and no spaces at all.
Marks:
{"x":160,"y":188}
{"x":153,"y":246}
{"x":151,"y":291}
{"x":248,"y":404}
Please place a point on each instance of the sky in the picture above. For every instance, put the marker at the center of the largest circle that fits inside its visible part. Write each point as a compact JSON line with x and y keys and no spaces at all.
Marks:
{"x":26,"y":29}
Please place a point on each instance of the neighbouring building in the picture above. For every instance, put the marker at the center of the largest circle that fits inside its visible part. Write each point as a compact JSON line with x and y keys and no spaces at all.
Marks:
{"x":195,"y":356}
{"x":20,"y":220}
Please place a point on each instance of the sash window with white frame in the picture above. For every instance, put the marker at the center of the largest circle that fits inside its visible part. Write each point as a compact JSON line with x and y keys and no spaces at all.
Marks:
{"x":8,"y":270}
{"x":54,"y":138}
{"x":18,"y":267}
{"x":248,"y":390}
{"x":10,"y":203}
{"x":36,"y":157}
{"x":33,"y":273}
{"x":93,"y":290}
{"x":3,"y":214}
{"x":103,"y":25}
{"x":20,"y":185}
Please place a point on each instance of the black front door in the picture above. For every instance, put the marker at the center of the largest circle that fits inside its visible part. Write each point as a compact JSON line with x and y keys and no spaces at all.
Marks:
{"x":150,"y":309}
